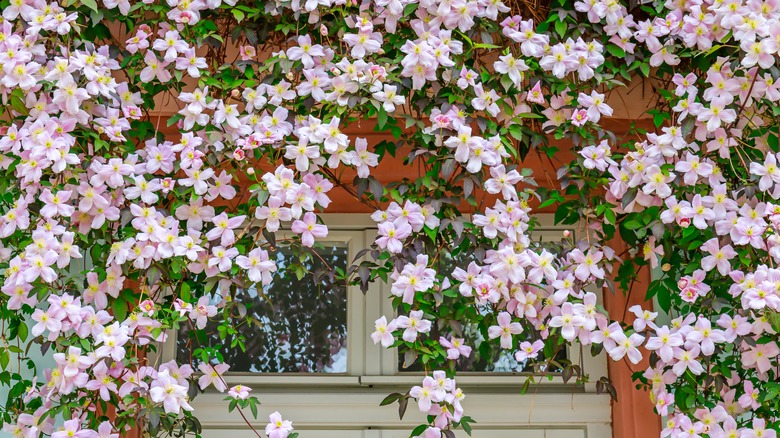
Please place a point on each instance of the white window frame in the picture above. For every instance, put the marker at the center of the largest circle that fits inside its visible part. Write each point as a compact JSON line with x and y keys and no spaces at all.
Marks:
{"x":347,"y":405}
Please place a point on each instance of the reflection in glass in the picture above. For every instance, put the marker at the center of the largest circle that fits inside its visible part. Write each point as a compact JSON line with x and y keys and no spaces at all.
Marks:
{"x":291,"y":326}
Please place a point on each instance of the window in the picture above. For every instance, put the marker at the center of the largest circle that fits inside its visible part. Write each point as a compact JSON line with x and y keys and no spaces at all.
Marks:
{"x":293,"y":325}
{"x":335,"y":391}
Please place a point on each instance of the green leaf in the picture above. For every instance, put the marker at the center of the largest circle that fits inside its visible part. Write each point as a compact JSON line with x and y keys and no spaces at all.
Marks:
{"x":391,"y":398}
{"x":616,"y":51}
{"x":381,"y":118}
{"x":91,"y":4}
{"x":486,"y":46}
{"x":772,"y":141}
{"x":17,"y":102}
{"x":119,"y":307}
{"x":419,"y":430}
{"x":560,"y":28}
{"x":609,"y":215}
{"x":530,"y":116}
{"x":664,"y":298}
{"x":516,"y":131}
{"x":253,"y":408}
{"x":238,"y":14}
{"x":645,"y":68}
{"x":23,"y":331}
{"x":632,"y":225}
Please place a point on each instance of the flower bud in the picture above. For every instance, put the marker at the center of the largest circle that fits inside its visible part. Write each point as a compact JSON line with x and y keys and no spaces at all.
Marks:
{"x":682,"y":283}
{"x":250,"y":171}
{"x":235,"y":93}
{"x":323,"y":30}
{"x":566,"y":233}
{"x":685,"y":222}
{"x":290,"y":75}
{"x":666,"y":267}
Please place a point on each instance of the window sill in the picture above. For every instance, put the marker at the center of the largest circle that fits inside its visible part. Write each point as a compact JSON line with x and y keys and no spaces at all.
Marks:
{"x":267,"y":380}
{"x":514,"y":381}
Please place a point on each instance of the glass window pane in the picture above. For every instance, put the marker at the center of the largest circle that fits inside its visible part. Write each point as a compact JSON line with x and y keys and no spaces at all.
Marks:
{"x":291,"y":326}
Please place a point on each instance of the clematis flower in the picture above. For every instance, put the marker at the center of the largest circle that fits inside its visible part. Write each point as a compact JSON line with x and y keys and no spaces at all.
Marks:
{"x":212,"y":375}
{"x":413,"y":325}
{"x":505,"y":329}
{"x":512,"y":67}
{"x":166,"y":390}
{"x":273,"y":213}
{"x":627,"y":346}
{"x":247,"y":52}
{"x":427,"y":394}
{"x":527,"y":350}
{"x":664,"y":342}
{"x":568,"y":321}
{"x":587,"y":265}
{"x":456,"y":347}
{"x":277,"y":427}
{"x":239,"y":392}
{"x":223,"y":228}
{"x":308,"y":228}
{"x":718,"y":257}
{"x":686,"y":360}
{"x":72,"y":429}
{"x":760,"y":356}
{"x":202,"y":311}
{"x":305,"y":51}
{"x":388,"y":97}
{"x":258,"y":265}
{"x":392,"y":233}
{"x":384,"y":332}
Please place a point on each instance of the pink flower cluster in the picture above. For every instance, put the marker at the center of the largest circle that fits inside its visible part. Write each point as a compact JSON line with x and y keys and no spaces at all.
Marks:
{"x":440,"y":398}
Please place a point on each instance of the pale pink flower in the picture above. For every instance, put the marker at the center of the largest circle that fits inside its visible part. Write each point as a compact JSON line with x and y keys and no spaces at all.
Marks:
{"x":718,"y":257}
{"x":760,"y":356}
{"x":308,"y":228}
{"x":202,"y":311}
{"x":212,"y":375}
{"x":277,"y":427}
{"x":664,"y":342}
{"x":383,"y":332}
{"x":413,"y":324}
{"x":239,"y":392}
{"x":166,"y":390}
{"x":568,"y":321}
{"x":505,"y":329}
{"x":627,"y":346}
{"x":686,"y":360}
{"x":527,"y":350}
{"x":392,"y":234}
{"x":258,"y":266}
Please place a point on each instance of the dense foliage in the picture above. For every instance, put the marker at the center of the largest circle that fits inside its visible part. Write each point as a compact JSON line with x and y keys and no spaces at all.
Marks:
{"x":115,"y":235}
